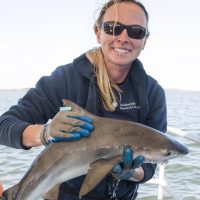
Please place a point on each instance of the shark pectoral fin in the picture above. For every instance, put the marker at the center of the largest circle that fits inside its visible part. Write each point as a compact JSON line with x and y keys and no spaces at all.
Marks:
{"x":52,"y":194}
{"x":98,"y":170}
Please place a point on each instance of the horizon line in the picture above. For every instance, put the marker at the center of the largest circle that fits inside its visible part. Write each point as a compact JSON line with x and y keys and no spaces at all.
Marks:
{"x":27,"y":88}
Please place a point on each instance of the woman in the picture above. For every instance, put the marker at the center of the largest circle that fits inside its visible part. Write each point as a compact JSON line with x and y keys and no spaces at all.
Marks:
{"x":108,"y":81}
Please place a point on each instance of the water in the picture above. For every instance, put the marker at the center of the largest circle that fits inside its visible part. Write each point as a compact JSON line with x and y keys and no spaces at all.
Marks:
{"x":182,"y":174}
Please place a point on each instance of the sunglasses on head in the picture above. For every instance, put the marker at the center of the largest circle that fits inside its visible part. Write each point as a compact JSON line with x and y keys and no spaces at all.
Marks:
{"x":116,"y":28}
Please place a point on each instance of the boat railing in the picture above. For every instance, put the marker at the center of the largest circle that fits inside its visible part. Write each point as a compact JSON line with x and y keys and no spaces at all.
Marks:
{"x":160,"y":180}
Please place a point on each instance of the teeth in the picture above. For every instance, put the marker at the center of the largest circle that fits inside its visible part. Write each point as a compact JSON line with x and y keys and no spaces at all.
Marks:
{"x":121,"y":51}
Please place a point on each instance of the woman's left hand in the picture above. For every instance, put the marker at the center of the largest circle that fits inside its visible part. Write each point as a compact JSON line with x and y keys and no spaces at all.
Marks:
{"x":125,"y":170}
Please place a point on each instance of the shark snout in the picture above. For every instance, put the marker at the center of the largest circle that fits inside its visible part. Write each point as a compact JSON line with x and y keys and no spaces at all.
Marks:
{"x":179,"y":148}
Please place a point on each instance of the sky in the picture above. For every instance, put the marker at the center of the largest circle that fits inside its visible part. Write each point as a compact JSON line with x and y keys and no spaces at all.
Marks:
{"x":36,"y":36}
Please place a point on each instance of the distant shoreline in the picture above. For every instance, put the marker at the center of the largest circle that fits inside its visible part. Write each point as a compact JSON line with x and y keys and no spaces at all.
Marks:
{"x":17,"y":89}
{"x":168,"y":89}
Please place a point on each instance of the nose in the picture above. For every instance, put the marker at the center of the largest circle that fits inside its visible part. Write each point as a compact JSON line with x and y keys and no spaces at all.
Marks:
{"x":123,"y":37}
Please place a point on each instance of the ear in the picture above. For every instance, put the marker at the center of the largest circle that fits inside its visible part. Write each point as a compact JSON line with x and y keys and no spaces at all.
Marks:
{"x":98,"y":35}
{"x":144,"y":44}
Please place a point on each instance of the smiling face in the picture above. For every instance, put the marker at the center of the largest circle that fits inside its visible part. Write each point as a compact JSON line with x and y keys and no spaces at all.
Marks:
{"x":121,"y":51}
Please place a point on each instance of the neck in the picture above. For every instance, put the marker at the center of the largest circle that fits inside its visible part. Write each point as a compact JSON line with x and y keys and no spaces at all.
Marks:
{"x":118,"y":74}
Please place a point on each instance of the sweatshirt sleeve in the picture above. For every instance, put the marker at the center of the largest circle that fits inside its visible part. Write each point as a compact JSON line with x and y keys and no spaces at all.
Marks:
{"x":157,"y":114}
{"x":37,"y":106}
{"x":156,"y":118}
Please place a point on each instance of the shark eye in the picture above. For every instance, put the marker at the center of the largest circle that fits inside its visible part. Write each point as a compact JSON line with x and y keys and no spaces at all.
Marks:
{"x":168,"y":153}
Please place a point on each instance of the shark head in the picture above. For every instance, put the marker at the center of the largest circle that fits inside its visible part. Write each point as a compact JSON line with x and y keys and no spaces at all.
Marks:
{"x":162,"y":150}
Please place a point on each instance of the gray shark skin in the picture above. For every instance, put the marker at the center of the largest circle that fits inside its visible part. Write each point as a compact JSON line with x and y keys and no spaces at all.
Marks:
{"x":94,"y":156}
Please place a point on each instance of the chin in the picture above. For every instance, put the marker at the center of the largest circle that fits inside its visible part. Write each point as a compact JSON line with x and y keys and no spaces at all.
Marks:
{"x":123,"y":62}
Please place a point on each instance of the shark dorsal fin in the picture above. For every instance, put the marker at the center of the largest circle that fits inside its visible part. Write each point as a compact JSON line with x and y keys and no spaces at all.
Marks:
{"x":98,"y":170}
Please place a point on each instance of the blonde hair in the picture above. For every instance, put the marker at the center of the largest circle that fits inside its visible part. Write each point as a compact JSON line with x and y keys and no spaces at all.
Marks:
{"x":105,"y":85}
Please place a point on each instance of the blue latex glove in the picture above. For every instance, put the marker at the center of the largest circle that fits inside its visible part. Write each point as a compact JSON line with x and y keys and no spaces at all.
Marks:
{"x":80,"y":130}
{"x":125,"y":170}
{"x":66,"y":126}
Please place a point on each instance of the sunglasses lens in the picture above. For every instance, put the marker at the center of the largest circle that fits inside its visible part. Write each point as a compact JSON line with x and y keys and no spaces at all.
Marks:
{"x":112,"y":29}
{"x":118,"y":29}
{"x":107,"y":28}
{"x":136,"y":32}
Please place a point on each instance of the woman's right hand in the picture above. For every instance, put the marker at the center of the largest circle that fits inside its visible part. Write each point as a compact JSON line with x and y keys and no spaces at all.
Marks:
{"x":67,"y":125}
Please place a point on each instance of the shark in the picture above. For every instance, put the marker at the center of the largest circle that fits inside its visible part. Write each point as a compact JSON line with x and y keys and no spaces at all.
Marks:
{"x":94,"y":156}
